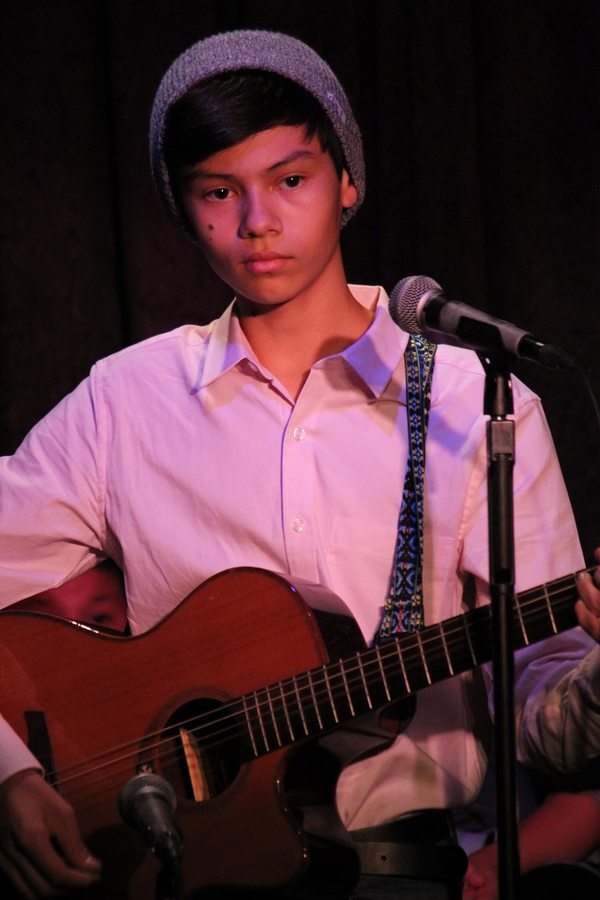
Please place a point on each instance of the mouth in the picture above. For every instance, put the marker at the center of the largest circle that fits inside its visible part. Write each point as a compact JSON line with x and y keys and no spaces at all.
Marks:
{"x":264,"y":263}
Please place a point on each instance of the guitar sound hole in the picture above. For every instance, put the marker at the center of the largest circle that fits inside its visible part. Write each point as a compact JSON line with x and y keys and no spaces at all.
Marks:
{"x":201,"y":755}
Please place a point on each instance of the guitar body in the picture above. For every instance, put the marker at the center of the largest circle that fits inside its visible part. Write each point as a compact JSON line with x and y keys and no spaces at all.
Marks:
{"x":99,"y":709}
{"x":210,"y":700}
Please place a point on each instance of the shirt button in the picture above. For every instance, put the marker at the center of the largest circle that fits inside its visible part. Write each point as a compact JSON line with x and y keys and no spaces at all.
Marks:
{"x":299,"y":524}
{"x":299,"y":434}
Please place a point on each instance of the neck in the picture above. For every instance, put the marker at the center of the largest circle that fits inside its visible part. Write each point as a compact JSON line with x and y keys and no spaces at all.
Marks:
{"x":288,"y":338}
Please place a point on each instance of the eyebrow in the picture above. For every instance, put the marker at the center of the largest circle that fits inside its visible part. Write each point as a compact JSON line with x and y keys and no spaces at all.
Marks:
{"x":225,"y":176}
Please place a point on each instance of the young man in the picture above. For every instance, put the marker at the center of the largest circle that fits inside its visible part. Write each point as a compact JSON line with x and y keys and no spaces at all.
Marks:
{"x":275,"y":437}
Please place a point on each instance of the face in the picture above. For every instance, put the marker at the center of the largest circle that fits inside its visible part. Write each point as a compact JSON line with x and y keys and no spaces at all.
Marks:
{"x":96,"y":597}
{"x":267,"y":215}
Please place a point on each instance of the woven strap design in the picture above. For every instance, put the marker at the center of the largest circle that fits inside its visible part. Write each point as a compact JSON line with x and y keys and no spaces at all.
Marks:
{"x":403,"y":608}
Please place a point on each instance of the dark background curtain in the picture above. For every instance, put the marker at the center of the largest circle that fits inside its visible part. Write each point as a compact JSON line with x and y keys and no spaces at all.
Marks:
{"x":481,"y":126}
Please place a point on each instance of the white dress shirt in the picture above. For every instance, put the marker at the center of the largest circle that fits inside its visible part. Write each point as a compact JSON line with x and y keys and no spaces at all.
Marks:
{"x":183,"y":456}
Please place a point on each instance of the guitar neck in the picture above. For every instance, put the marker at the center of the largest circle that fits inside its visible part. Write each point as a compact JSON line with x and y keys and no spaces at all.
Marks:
{"x":331,"y":695}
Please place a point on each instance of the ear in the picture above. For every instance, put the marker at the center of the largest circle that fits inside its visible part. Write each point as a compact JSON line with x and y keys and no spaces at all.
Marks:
{"x":348,"y":193}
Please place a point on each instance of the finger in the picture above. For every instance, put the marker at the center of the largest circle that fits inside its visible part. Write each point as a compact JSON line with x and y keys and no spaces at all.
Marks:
{"x":40,"y":863}
{"x":588,"y":619}
{"x":68,"y":839}
{"x":589,"y":592}
{"x":473,"y":878}
{"x":77,"y":869}
{"x":14,"y":876}
{"x":25,"y":874}
{"x":470,"y":892}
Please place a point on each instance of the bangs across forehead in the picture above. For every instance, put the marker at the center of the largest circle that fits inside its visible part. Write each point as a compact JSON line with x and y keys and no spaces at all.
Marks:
{"x":226,"y":109}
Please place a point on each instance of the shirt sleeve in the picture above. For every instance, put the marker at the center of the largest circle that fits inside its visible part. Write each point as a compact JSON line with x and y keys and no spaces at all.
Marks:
{"x":558,"y":716}
{"x":51,"y":500}
{"x":51,"y":519}
{"x":14,"y":755}
{"x":546,"y":542}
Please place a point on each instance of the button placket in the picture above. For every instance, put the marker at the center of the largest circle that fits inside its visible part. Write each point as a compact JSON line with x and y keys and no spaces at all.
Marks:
{"x":297,"y":487}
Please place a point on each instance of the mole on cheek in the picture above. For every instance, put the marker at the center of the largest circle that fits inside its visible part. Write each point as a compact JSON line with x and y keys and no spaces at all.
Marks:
{"x":211,"y":227}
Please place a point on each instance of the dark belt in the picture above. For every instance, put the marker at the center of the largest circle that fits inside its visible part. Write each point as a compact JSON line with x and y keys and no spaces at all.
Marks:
{"x":416,"y":846}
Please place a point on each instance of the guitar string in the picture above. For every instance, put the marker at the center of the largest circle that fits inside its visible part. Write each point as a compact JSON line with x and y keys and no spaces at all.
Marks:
{"x":334,"y":686}
{"x":101,"y":791}
{"x":267,"y":691}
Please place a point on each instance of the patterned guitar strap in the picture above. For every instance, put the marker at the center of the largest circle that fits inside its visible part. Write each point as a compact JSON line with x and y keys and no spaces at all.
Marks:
{"x":403,"y":608}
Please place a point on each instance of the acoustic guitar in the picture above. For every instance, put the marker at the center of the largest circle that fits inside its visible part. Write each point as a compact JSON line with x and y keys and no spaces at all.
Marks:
{"x":226,"y":698}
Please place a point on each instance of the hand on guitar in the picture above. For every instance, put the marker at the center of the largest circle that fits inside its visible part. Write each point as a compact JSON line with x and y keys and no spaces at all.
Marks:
{"x":41,"y":849}
{"x":588,"y":606}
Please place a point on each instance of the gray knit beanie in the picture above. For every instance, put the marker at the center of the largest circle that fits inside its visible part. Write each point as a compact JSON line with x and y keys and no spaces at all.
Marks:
{"x":266,"y":50}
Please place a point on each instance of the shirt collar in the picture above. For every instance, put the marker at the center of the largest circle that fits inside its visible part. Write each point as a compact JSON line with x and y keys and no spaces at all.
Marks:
{"x":374,"y":356}
{"x":227,"y":346}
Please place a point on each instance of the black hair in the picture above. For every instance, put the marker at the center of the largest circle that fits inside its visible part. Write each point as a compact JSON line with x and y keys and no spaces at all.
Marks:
{"x":228,"y":108}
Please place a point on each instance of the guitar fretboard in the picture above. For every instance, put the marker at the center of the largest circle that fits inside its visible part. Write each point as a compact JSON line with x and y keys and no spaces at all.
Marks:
{"x":331,"y":695}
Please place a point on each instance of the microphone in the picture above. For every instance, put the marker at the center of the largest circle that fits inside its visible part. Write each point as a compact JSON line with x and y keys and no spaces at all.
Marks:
{"x":419,"y":306}
{"x":147,"y":802}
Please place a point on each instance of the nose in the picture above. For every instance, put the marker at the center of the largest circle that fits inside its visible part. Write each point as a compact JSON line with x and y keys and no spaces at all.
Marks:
{"x":258,"y":215}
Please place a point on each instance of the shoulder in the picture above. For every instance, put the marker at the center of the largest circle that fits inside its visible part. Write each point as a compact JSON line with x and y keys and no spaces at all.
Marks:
{"x":459,"y":373}
{"x":169,"y":345}
{"x":174,"y":356}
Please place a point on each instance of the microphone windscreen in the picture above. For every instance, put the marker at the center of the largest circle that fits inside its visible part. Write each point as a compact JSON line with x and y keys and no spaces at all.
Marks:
{"x":141,"y":786}
{"x":405,"y":299}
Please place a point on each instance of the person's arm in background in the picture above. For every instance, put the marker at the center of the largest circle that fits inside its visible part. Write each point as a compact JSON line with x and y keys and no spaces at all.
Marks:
{"x":566,"y":827}
{"x":565,"y":728}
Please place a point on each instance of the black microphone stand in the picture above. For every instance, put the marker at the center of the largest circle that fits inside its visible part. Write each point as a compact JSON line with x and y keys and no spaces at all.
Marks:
{"x":169,"y":881}
{"x":498,"y":405}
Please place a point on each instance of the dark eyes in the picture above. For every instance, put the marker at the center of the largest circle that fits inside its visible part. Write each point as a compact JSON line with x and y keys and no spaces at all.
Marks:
{"x":293,"y":181}
{"x":219,"y":194}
